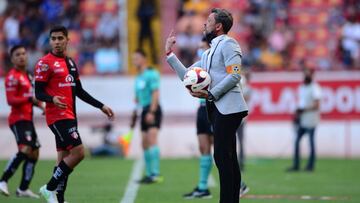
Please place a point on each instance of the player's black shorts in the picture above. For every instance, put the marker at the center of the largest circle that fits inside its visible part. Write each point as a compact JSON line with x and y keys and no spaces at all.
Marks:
{"x":66,"y":134}
{"x":25,"y":134}
{"x":157,"y":122}
{"x":203,"y":125}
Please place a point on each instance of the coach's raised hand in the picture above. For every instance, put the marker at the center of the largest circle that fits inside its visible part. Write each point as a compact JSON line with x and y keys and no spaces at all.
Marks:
{"x":170,"y":41}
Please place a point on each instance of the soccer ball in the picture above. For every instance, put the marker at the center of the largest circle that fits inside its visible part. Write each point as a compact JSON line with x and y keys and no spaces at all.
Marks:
{"x":197,"y":80}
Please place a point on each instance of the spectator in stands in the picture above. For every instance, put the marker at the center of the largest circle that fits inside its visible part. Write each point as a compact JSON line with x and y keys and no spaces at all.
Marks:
{"x":108,"y":27}
{"x":72,"y":18}
{"x":280,"y":37}
{"x":34,"y":55}
{"x":88,"y":46}
{"x":351,"y":38}
{"x":270,"y":59}
{"x":42,"y":42}
{"x":25,"y":36}
{"x":34,"y":23}
{"x":107,"y":59}
{"x":52,"y":11}
{"x":3,"y":5}
{"x":187,"y":42}
{"x":11,"y":28}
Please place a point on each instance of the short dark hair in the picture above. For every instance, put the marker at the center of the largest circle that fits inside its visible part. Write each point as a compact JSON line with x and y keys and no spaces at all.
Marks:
{"x":16,"y":47}
{"x":59,"y":28}
{"x":224,"y":17}
{"x":141,"y":52}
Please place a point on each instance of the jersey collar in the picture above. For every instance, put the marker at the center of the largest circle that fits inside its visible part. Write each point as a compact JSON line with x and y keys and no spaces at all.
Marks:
{"x":57,"y":55}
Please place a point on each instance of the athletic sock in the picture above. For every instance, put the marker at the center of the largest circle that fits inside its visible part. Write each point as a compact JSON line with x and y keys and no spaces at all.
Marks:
{"x":61,"y":188}
{"x":28,"y":173}
{"x":12,"y":165}
{"x":155,"y":157}
{"x":205,"y":168}
{"x":60,"y":173}
{"x":147,"y":157}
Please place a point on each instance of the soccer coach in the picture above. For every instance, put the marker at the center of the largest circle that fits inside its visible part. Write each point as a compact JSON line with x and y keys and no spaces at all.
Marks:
{"x":225,"y":104}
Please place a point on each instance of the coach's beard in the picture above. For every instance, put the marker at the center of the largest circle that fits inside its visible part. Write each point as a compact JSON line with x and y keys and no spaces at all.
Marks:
{"x":210,"y":36}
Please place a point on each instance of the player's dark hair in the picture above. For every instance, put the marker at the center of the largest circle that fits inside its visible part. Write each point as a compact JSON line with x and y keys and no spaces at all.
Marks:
{"x":141,"y":52}
{"x":59,"y":28}
{"x":224,"y":17}
{"x":16,"y":47}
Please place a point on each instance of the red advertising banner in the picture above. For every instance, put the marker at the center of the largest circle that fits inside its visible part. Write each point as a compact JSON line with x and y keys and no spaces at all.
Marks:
{"x":278,"y":100}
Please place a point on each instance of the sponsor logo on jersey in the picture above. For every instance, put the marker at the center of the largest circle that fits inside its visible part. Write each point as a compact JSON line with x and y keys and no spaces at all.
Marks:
{"x":69,"y":78}
{"x":57,"y":64}
{"x":69,"y":81}
{"x":59,"y":70}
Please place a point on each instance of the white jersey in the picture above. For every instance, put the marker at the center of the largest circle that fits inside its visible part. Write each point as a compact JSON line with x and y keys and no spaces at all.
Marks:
{"x":308,"y":94}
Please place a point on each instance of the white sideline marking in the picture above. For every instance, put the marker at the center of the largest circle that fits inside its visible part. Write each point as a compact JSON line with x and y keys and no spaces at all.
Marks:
{"x":211,"y":181}
{"x":132,"y":186}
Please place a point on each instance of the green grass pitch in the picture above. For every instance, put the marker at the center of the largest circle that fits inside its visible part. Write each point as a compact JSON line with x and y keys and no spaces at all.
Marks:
{"x":105,"y":181}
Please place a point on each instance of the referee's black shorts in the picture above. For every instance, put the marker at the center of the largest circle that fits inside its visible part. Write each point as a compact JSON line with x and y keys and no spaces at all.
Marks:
{"x":157,"y":122}
{"x":203,"y":125}
{"x":25,"y":134}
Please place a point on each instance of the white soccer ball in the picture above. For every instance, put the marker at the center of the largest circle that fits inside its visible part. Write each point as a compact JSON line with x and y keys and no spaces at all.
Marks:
{"x":197,"y":80}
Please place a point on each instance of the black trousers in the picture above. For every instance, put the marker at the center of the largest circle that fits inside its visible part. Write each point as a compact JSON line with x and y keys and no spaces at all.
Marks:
{"x":225,"y":157}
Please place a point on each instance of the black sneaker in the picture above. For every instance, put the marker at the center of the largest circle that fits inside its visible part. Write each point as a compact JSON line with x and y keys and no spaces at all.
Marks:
{"x":243,"y":189}
{"x":151,"y":179}
{"x":197,"y":193}
{"x":146,"y":180}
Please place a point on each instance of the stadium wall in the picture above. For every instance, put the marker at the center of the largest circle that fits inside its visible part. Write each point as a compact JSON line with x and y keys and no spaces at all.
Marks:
{"x":269,"y":130}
